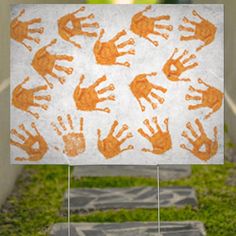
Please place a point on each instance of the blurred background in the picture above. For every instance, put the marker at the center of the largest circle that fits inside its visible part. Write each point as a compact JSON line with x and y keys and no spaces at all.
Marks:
{"x":31,"y":197}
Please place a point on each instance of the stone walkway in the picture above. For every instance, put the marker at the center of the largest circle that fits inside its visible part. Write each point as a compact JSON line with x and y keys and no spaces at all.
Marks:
{"x":167,"y":172}
{"x":190,"y":228}
{"x":231,"y":181}
{"x":92,"y":199}
{"x":229,"y":150}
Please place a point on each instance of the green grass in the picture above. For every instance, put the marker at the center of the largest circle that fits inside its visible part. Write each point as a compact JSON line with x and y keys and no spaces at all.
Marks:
{"x":36,"y":201}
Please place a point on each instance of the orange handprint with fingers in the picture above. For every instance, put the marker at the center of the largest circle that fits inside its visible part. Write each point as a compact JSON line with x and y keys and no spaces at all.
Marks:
{"x":20,"y":30}
{"x":204,"y":31}
{"x":200,"y":141}
{"x":160,"y":140}
{"x":211,"y":98}
{"x":44,"y":63}
{"x":111,"y":145}
{"x":106,"y":53}
{"x":141,"y":87}
{"x":86,"y":99}
{"x":78,"y":26}
{"x":28,"y":144}
{"x":74,"y":142}
{"x":24,"y":99}
{"x":143,"y":26}
{"x":174,"y":68}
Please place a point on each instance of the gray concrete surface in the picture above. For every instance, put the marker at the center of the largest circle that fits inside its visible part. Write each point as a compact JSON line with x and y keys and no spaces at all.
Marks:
{"x":8,"y":173}
{"x":95,"y":199}
{"x":191,"y":228}
{"x":167,"y":172}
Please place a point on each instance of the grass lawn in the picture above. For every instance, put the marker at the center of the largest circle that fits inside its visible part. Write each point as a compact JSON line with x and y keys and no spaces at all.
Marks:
{"x":36,"y":201}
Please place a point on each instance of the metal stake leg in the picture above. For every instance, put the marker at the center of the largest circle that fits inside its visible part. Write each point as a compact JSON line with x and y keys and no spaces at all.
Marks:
{"x":158,"y":201}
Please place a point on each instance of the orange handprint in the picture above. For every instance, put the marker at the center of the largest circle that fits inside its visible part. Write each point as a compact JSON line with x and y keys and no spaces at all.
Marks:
{"x":106,"y":53}
{"x":77,"y":26}
{"x":44,"y":63}
{"x":211,"y":98}
{"x":20,"y":30}
{"x":86,"y":99}
{"x":200,"y":141}
{"x":74,"y":142}
{"x":23,"y":98}
{"x":173,"y":68}
{"x":142,"y":88}
{"x":29,"y":143}
{"x":204,"y":31}
{"x":160,"y":140}
{"x":143,"y":25}
{"x":110,"y":146}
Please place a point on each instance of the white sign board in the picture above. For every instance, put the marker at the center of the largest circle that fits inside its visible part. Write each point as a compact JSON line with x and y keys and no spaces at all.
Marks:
{"x":117,"y":84}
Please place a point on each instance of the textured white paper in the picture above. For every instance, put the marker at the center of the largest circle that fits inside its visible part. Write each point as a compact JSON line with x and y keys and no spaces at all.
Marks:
{"x":125,"y":109}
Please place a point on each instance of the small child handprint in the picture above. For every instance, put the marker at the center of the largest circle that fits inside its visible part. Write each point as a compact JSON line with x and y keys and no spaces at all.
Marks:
{"x":20,"y":31}
{"x":111,"y":145}
{"x":159,"y":139}
{"x":33,"y":144}
{"x":203,"y":147}
{"x":74,"y":141}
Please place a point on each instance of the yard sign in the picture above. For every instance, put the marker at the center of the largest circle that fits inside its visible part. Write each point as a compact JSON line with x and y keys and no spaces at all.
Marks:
{"x":117,"y":84}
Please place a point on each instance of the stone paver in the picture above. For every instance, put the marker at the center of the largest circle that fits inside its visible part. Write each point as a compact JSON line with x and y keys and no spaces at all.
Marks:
{"x":90,"y":199}
{"x":167,"y":172}
{"x":229,"y":150}
{"x":231,"y":181}
{"x":190,"y":228}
